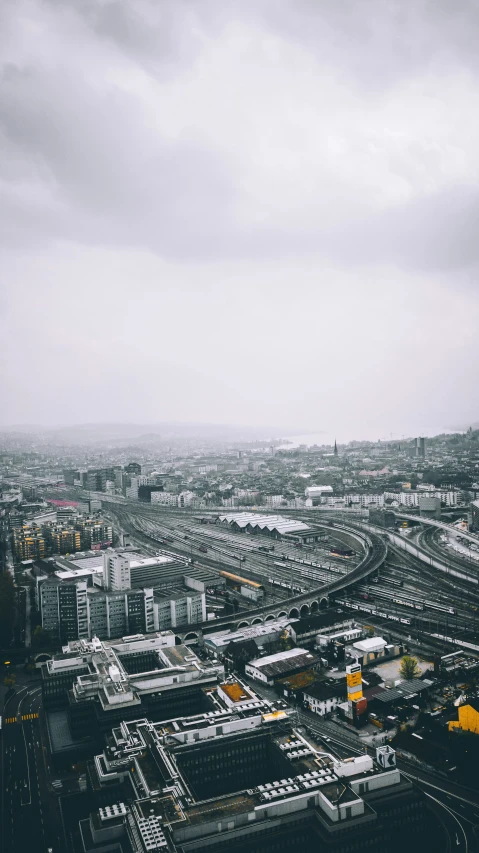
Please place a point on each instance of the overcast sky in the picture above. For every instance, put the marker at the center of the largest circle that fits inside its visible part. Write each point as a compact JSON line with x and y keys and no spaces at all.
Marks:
{"x":252,"y":212}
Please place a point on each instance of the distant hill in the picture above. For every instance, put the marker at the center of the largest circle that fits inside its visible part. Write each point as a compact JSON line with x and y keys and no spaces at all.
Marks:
{"x":142,"y":434}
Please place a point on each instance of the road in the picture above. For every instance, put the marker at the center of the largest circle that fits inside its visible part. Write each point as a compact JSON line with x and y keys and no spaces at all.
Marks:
{"x":30,"y":814}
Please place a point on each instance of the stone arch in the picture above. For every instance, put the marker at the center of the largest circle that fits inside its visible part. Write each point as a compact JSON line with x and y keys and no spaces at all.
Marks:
{"x":270,"y":617}
{"x":293,"y":613}
{"x":314,"y":606}
{"x":304,"y":610}
{"x":42,"y":657}
{"x":282,"y":614}
{"x":324,"y":603}
{"x":257,"y":620}
{"x":191,"y":635}
{"x":243,"y":624}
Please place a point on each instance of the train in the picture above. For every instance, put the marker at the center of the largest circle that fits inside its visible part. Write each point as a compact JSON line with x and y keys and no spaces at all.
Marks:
{"x":442,"y":608}
{"x":395,"y":597}
{"x":356,"y":605}
{"x":286,"y":585}
{"x":341,"y":552}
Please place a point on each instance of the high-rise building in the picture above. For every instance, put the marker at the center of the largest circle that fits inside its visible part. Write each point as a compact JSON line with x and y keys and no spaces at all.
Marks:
{"x":116,"y":571}
{"x":70,"y":610}
{"x":64,"y":609}
{"x":420,"y":447}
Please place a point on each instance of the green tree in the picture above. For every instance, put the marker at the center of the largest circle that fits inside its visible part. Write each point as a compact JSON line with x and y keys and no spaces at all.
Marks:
{"x":409,"y":668}
{"x":9,"y":680}
{"x":285,"y":641}
{"x":41,"y":638}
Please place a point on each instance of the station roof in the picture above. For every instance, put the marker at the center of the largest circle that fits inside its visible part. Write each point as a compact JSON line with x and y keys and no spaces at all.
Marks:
{"x":265,"y":522}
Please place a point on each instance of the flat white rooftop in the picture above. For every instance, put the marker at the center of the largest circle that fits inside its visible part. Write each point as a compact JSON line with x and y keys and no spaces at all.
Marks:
{"x":371,"y":644}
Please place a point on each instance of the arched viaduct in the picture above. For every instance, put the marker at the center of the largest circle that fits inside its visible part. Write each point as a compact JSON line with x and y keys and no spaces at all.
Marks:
{"x":298,"y":606}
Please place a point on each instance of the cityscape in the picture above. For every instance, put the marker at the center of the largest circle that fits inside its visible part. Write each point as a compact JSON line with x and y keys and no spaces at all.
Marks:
{"x":239,"y":426}
{"x":242,"y":642}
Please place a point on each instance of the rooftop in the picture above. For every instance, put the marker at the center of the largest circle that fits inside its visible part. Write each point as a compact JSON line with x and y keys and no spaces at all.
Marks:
{"x":319,"y":620}
{"x":236,"y":692}
{"x":265,"y":522}
{"x":284,"y":661}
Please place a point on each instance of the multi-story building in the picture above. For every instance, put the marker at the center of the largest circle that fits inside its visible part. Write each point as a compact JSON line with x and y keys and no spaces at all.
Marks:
{"x":94,"y":532}
{"x":273,"y":500}
{"x":164,"y":499}
{"x":115,"y":614}
{"x":186,"y":498}
{"x":430,"y":506}
{"x":64,"y":609}
{"x":127,"y":679}
{"x":364,"y":500}
{"x":179,"y":609}
{"x":247,"y":779}
{"x":70,"y":610}
{"x":145,"y":491}
{"x":447,"y":498}
{"x":28,"y":542}
{"x":133,"y":468}
{"x":474,"y":516}
{"x":116,"y":571}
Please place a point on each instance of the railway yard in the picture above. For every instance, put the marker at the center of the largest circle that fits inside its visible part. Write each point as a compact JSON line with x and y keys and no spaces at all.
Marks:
{"x":417,"y":602}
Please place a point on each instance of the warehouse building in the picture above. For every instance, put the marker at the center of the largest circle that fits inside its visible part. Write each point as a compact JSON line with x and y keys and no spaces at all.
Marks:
{"x":262,"y":634}
{"x":272,"y":667}
{"x":311,"y":629}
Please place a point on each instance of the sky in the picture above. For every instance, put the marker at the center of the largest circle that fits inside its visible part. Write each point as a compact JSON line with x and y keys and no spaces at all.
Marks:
{"x":257,"y":213}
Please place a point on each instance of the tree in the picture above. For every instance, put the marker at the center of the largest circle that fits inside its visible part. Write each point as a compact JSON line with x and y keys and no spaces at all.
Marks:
{"x":9,"y":680}
{"x":285,"y":641}
{"x":41,"y":638}
{"x":409,"y":668}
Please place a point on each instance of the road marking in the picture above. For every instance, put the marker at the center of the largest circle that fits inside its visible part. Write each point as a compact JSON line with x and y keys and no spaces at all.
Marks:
{"x":438,"y":788}
{"x":453,"y":815}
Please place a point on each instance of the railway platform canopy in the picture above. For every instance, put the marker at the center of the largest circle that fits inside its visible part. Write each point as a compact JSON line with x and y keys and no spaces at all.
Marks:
{"x":276,"y":526}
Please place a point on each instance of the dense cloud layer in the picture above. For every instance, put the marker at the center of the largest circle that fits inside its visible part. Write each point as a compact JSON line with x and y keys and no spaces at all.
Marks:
{"x":285,"y":186}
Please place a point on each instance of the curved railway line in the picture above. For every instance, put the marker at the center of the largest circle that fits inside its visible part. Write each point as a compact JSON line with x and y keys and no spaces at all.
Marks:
{"x":373,"y":548}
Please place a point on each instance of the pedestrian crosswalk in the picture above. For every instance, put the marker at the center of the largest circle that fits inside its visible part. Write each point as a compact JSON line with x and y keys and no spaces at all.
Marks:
{"x":24,"y":717}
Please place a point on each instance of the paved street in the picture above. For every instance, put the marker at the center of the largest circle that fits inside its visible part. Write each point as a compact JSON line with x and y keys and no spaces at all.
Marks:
{"x":30,"y":814}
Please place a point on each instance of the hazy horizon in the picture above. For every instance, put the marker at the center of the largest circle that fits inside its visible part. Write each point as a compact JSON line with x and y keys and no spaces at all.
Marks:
{"x":254,"y":214}
{"x":102,"y":431}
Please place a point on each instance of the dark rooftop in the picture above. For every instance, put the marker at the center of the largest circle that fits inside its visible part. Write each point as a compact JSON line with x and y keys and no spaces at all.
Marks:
{"x":289,"y":664}
{"x":318,"y":621}
{"x":320,"y":690}
{"x":404,"y":690}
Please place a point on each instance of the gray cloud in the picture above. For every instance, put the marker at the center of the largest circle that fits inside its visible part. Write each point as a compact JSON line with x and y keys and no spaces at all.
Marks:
{"x":83,"y":159}
{"x":238,"y":187}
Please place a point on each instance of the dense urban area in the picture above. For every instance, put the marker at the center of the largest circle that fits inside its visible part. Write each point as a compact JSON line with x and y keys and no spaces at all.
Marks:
{"x":253,"y":644}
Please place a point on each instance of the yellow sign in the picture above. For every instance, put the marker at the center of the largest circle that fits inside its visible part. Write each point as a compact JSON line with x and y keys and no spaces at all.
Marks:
{"x":354,"y":679}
